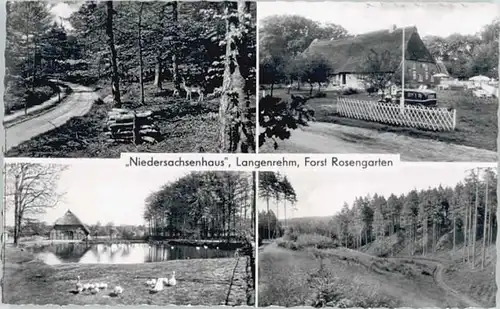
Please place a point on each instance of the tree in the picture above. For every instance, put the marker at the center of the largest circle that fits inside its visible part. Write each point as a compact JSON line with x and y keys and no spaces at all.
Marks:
{"x":31,"y":190}
{"x":314,"y":68}
{"x":236,"y":130}
{"x":278,"y":117}
{"x":27,"y":23}
{"x":268,"y":187}
{"x":111,"y":43}
{"x":379,"y":68}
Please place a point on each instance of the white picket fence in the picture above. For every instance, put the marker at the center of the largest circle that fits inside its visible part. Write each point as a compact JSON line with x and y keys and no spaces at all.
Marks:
{"x":420,"y":117}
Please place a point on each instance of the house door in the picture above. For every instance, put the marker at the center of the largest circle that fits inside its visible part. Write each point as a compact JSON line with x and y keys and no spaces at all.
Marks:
{"x":71,"y":235}
{"x":343,"y":79}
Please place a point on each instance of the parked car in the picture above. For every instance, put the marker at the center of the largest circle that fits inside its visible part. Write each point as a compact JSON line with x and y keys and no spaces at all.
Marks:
{"x":424,"y":97}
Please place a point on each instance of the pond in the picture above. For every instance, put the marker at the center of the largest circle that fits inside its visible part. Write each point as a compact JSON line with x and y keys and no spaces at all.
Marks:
{"x":122,"y":253}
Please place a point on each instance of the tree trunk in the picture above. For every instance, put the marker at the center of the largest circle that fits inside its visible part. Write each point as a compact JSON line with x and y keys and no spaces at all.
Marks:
{"x":465,"y":227}
{"x":233,"y":106}
{"x":475,"y":227}
{"x":158,"y":68}
{"x":175,"y":67}
{"x":141,"y":65}
{"x":111,"y":43}
{"x":454,"y":233}
{"x":433,"y":235}
{"x":485,"y":223}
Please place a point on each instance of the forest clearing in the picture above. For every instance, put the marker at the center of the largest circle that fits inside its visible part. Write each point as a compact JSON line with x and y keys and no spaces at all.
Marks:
{"x":173,"y":61}
{"x":430,"y":247}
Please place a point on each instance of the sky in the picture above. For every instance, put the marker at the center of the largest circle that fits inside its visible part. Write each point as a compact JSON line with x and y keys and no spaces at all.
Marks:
{"x":324,"y":193}
{"x":106,"y":191}
{"x":63,"y":10}
{"x":440,"y":19}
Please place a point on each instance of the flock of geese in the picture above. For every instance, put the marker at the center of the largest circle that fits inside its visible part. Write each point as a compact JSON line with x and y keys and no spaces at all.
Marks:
{"x":155,"y":285}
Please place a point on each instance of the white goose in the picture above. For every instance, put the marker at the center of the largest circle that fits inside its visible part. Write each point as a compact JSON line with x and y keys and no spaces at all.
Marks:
{"x":197,"y":248}
{"x":151,"y":282}
{"x":205,"y":247}
{"x":158,"y":286}
{"x":86,"y":286}
{"x":118,"y":290}
{"x":172,"y":280}
{"x":95,"y":290}
{"x":79,"y":285}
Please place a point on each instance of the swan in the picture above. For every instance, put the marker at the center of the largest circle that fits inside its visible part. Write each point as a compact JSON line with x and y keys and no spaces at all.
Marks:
{"x":217,"y":248}
{"x":118,"y":290}
{"x":197,"y":248}
{"x":205,"y":247}
{"x":172,"y":280}
{"x":158,"y":286}
{"x":172,"y":247}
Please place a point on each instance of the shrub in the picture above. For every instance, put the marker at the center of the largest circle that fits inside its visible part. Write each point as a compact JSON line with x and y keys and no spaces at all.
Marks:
{"x":293,"y":241}
{"x":320,"y":95}
{"x":349,"y":91}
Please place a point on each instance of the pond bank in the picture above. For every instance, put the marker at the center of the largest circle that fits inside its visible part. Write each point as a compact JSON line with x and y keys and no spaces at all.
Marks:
{"x":199,"y":281}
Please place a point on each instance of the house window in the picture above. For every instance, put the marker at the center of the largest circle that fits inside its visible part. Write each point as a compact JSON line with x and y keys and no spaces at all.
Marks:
{"x":414,"y":66}
{"x":426,"y":75}
{"x":414,"y":74}
{"x":420,"y":79}
{"x":425,"y":66}
{"x":432,"y":79}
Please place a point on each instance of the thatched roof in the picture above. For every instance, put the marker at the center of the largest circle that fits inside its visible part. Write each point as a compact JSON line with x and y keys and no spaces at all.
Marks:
{"x":349,"y":55}
{"x":70,"y":219}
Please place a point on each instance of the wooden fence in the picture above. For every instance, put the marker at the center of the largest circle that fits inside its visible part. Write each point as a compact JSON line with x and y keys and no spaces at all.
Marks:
{"x":126,"y":126}
{"x":420,"y":117}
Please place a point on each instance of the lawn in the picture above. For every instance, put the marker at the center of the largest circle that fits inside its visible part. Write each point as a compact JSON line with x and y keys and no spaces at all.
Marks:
{"x":184,"y":127}
{"x":477,"y":124}
{"x":199,"y":282}
{"x":343,"y":278}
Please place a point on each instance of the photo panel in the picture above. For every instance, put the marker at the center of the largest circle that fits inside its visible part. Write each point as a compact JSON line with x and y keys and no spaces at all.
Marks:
{"x":416,"y":79}
{"x":98,"y":233}
{"x":422,"y":235}
{"x":94,"y":79}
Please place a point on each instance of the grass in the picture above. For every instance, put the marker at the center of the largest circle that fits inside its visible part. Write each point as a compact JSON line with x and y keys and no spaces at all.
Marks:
{"x":343,"y":278}
{"x":184,"y":128}
{"x":199,"y":282}
{"x":476,"y":118}
{"x":478,"y":284}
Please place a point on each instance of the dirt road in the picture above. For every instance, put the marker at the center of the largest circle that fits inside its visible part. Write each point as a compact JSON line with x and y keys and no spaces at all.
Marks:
{"x":438,"y":278}
{"x":321,"y":137}
{"x":78,"y":103}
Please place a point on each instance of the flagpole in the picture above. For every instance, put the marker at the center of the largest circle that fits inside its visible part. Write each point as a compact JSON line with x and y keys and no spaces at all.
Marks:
{"x":402,"y":99}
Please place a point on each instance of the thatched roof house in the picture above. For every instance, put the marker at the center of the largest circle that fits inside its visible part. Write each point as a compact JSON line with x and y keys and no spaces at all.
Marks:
{"x":69,"y":227}
{"x":348,"y":56}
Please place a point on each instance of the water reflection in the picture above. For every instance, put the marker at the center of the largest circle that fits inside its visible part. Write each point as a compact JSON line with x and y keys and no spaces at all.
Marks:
{"x":122,"y":253}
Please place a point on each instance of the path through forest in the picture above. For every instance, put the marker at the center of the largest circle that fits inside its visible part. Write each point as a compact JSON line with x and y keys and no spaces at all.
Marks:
{"x":415,"y":292}
{"x":438,"y":278}
{"x":322,"y":137}
{"x":78,"y":103}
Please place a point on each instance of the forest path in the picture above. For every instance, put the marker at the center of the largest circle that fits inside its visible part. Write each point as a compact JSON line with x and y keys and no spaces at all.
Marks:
{"x":438,"y":278}
{"x":322,"y":137}
{"x":77,"y":103}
